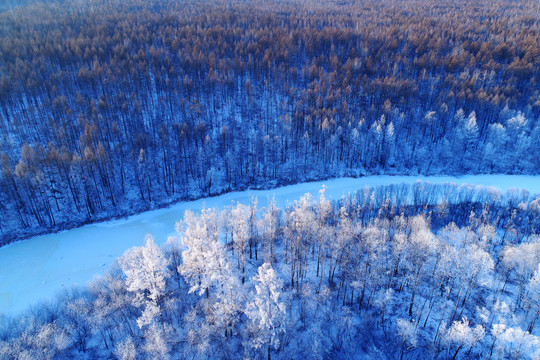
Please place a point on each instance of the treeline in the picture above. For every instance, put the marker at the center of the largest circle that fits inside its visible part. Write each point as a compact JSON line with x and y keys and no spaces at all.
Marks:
{"x":112,"y":107}
{"x":317,"y":280}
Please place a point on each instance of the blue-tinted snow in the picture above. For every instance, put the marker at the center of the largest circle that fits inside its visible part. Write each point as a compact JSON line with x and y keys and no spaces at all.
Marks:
{"x":35,"y":269}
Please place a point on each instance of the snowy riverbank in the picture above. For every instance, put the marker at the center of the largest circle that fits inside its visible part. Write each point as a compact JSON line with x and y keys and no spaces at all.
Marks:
{"x":34,"y":269}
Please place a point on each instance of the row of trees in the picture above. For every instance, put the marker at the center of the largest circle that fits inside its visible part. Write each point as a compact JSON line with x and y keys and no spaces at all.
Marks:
{"x":112,"y":107}
{"x":315,"y":280}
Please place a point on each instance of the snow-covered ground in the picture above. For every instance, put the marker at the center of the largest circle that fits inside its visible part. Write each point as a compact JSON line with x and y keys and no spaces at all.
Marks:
{"x":35,"y":269}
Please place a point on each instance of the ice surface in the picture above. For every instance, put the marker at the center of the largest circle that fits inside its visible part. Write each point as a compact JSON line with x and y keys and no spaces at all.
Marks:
{"x":33,"y":270}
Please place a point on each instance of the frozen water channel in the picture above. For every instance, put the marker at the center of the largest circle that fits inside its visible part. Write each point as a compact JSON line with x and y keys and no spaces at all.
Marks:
{"x":33,"y":270}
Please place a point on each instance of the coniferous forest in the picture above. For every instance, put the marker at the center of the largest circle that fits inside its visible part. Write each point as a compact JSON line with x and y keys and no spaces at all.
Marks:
{"x":114,"y":107}
{"x":111,"y":107}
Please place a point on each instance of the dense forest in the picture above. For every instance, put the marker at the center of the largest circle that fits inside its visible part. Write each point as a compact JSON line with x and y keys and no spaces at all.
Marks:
{"x":397,"y":272}
{"x":110,"y":107}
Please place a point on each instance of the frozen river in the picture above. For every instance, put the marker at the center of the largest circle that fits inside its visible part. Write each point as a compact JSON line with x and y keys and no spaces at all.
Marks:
{"x":35,"y":269}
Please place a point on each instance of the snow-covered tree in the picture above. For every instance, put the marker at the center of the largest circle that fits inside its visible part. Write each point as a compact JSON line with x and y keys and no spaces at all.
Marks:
{"x":299,"y":229}
{"x":324,"y":207}
{"x":227,"y":295}
{"x":198,"y":236}
{"x":207,"y":269}
{"x":324,"y":210}
{"x":421,"y":246}
{"x":520,"y":262}
{"x":532,"y":299}
{"x":320,"y":344}
{"x":253,"y":228}
{"x":125,"y":350}
{"x":77,"y":320}
{"x":269,"y":226}
{"x":146,"y":272}
{"x":408,"y":333}
{"x":155,"y":345}
{"x":173,"y":250}
{"x":464,"y":336}
{"x":34,"y":340}
{"x":266,"y":311}
{"x":239,"y":222}
{"x":514,"y":343}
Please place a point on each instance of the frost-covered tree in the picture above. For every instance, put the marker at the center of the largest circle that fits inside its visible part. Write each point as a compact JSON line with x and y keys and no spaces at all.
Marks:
{"x":342,"y":252}
{"x":461,"y":335}
{"x":475,"y":272}
{"x":532,"y":299}
{"x":324,"y":210}
{"x":324,"y":207}
{"x":198,"y":335}
{"x":253,"y":228}
{"x":39,"y":342}
{"x":125,"y":350}
{"x":155,"y":345}
{"x":320,"y":344}
{"x":421,"y":245}
{"x":77,"y":320}
{"x":408,"y":333}
{"x":198,"y":233}
{"x":146,"y":273}
{"x":240,"y":226}
{"x":207,"y":269}
{"x":173,"y":250}
{"x":514,"y":343}
{"x":299,"y":230}
{"x":227,"y":296}
{"x":266,"y":311}
{"x":521,"y":261}
{"x":268,"y":227}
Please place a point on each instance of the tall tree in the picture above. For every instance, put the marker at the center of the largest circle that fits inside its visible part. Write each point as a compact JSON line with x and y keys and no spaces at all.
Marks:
{"x":146,"y":273}
{"x":266,"y":312}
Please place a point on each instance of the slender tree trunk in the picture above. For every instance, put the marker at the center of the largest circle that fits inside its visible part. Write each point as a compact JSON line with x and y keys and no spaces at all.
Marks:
{"x":457,"y":351}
